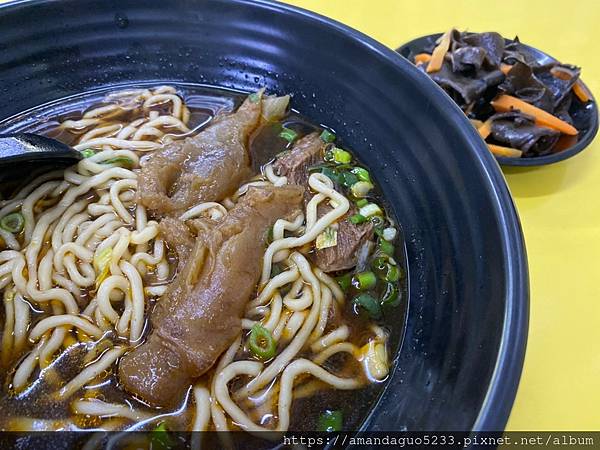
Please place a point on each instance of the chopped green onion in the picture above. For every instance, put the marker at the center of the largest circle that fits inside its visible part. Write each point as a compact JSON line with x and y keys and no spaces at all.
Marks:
{"x":361,"y":189}
{"x":327,"y":136}
{"x":255,"y":97}
{"x":357,"y":218}
{"x":362,"y":174}
{"x":371,"y":209}
{"x":13,"y":222}
{"x":365,"y":280}
{"x":87,"y":152}
{"x":330,"y":421}
{"x":159,"y":438}
{"x":377,"y":222}
{"x":379,"y":266}
{"x":391,"y":296}
{"x":345,"y":281}
{"x":288,"y":134}
{"x":341,"y":156}
{"x":328,"y":238}
{"x":386,"y":247}
{"x":389,"y":233}
{"x":362,"y":202}
{"x":102,"y":265}
{"x":369,"y":304}
{"x":331,"y":174}
{"x":261,"y":342}
{"x":119,"y":161}
{"x":348,"y":179}
{"x":393,"y":273}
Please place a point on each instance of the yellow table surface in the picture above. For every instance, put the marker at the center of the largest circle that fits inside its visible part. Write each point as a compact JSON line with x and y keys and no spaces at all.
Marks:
{"x":559,"y":205}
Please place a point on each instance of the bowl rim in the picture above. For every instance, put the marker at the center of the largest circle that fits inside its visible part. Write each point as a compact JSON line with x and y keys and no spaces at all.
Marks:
{"x":552,"y":158}
{"x":501,"y":391}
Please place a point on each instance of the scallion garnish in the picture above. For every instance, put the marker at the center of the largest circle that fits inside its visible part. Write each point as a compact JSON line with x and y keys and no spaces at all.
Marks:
{"x":365,"y":280}
{"x":370,"y":209}
{"x":357,"y":219}
{"x":13,"y":222}
{"x":87,"y":152}
{"x":362,"y":202}
{"x":386,"y":247}
{"x":331,"y":174}
{"x":122,"y":161}
{"x":348,"y":179}
{"x":159,"y":438}
{"x":369,"y":304}
{"x":341,"y":156}
{"x":361,"y":188}
{"x":362,"y":174}
{"x":391,"y":296}
{"x":261,"y":342}
{"x":330,"y":421}
{"x":327,"y":136}
{"x":288,"y":134}
{"x":393,"y":273}
{"x":345,"y":281}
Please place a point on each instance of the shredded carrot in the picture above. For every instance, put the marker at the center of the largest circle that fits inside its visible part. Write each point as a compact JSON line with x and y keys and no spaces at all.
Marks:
{"x":476,"y":123}
{"x":578,"y":88}
{"x":562,"y":74}
{"x":485,"y":129}
{"x":505,"y":103}
{"x":437,"y":57}
{"x":505,"y":68}
{"x":422,"y":58}
{"x":581,"y":92}
{"x":508,"y":152}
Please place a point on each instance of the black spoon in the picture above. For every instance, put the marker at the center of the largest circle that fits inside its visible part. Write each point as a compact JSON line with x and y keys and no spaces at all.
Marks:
{"x":585,"y":115}
{"x":25,"y":154}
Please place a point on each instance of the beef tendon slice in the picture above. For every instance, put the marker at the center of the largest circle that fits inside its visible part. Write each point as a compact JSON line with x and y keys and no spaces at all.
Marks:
{"x":207,"y":167}
{"x":200,"y":315}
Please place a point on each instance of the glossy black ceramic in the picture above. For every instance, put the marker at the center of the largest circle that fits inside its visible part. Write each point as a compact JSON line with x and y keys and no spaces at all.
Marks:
{"x":585,"y":115}
{"x":459,"y":365}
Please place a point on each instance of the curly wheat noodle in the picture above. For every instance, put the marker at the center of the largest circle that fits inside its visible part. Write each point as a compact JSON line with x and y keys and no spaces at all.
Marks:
{"x":91,"y":372}
{"x":218,"y":417}
{"x":137,"y":294}
{"x":9,"y":325}
{"x":216,"y":210}
{"x":279,"y":363}
{"x":324,"y":186}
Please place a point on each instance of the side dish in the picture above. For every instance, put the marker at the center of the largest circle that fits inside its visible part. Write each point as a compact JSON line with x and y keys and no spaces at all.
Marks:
{"x":520,"y":106}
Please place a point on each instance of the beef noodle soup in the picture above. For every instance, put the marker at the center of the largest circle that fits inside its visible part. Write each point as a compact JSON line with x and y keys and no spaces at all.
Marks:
{"x":214,"y":262}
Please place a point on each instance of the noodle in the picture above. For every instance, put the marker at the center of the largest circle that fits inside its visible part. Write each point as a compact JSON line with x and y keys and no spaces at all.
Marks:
{"x":88,"y":262}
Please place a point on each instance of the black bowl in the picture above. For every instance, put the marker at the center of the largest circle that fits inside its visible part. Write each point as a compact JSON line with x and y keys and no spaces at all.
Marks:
{"x":585,"y":116}
{"x":460,"y":361}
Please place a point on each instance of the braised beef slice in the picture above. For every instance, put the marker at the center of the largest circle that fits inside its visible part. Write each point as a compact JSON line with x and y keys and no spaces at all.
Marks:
{"x":206,"y":167}
{"x":518,"y":130}
{"x":350,"y":238}
{"x":295,"y":165}
{"x":200,"y":315}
